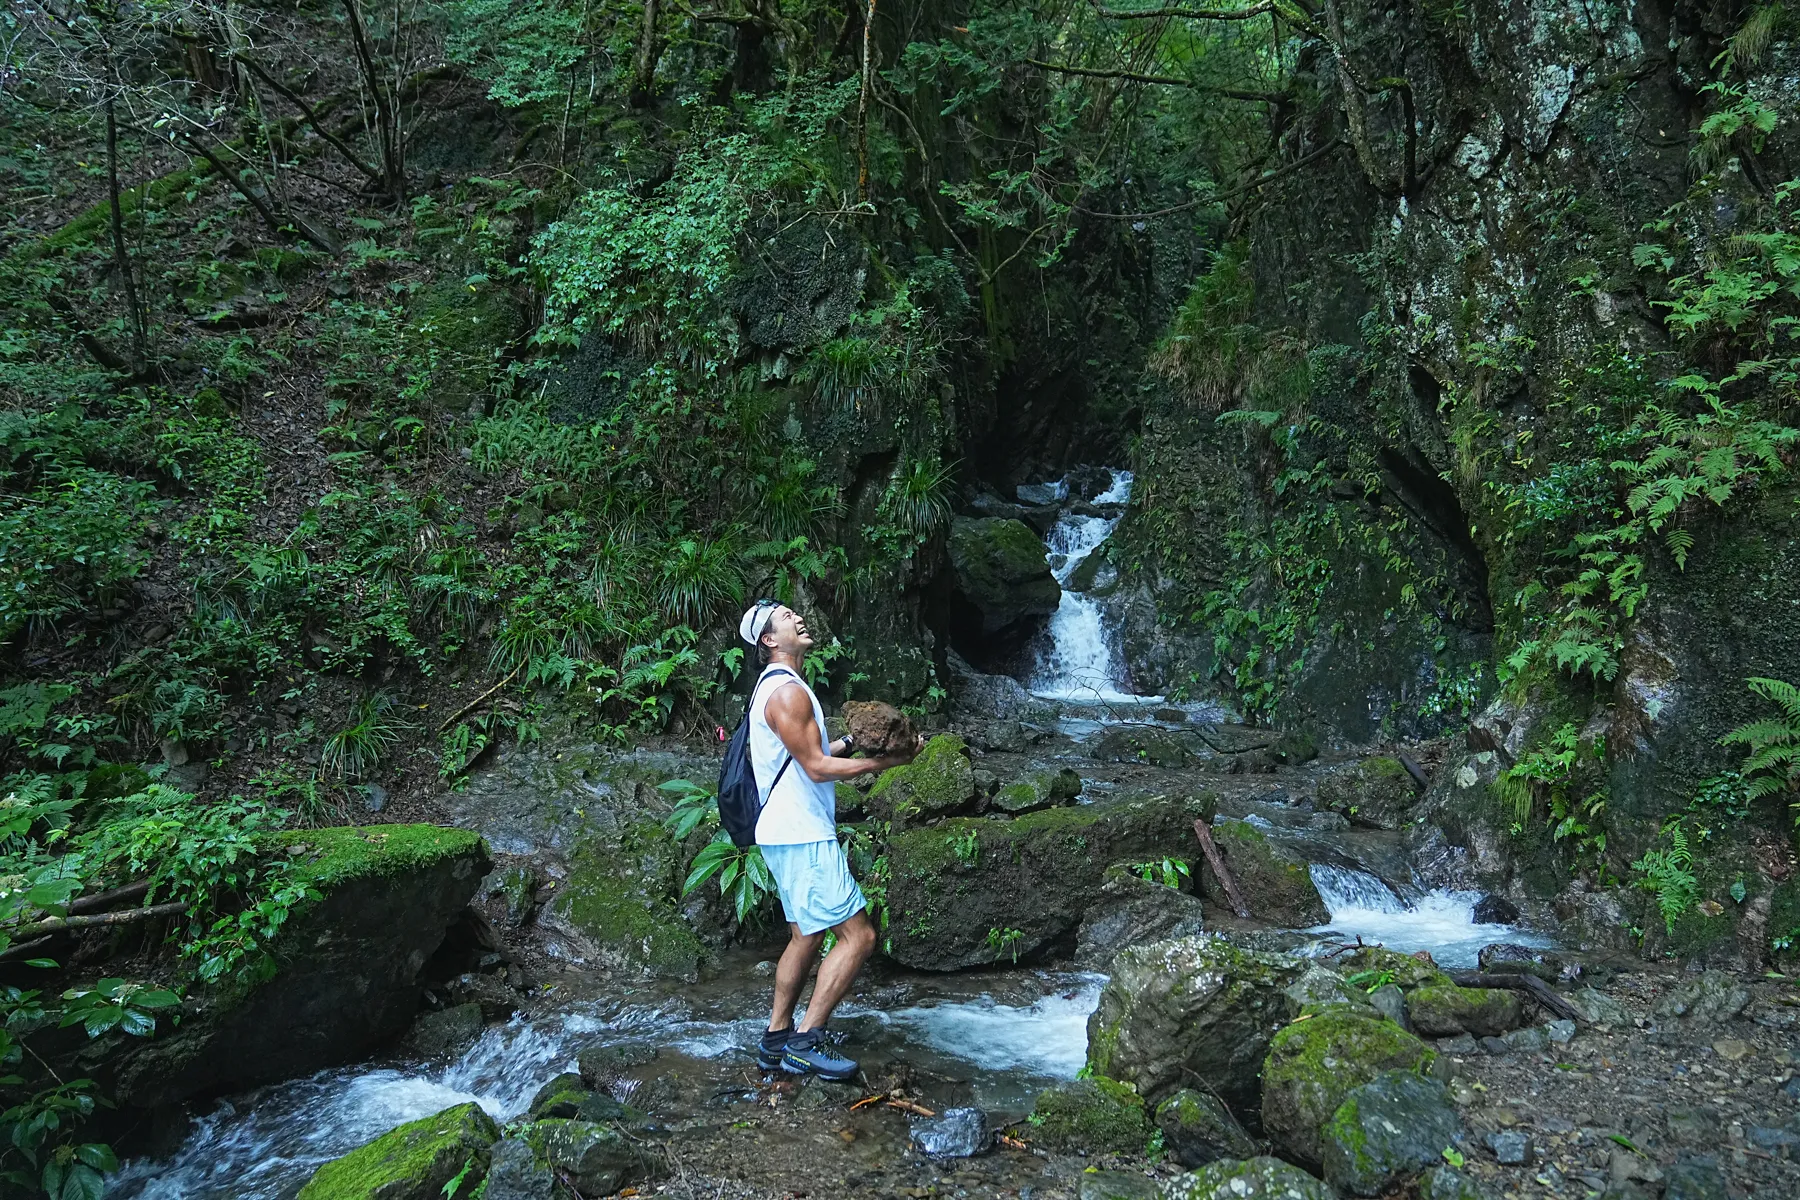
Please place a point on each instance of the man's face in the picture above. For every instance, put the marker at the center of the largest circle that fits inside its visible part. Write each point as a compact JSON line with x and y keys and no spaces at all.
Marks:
{"x":787,"y":631}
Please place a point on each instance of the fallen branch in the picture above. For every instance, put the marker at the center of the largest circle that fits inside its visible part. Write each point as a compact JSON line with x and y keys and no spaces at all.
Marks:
{"x":472,"y":705}
{"x":1217,"y":862}
{"x":22,"y":948}
{"x":917,"y":1110}
{"x":1518,"y":981}
{"x":127,"y":917}
{"x":118,"y":895}
{"x":868,"y":1100}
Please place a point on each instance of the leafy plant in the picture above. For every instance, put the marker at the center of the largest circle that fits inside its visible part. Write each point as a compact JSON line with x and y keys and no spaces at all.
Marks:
{"x":744,"y":878}
{"x":1005,"y":941}
{"x":1772,"y":764}
{"x":1668,"y":873}
{"x":966,"y":846}
{"x":355,"y":750}
{"x":1167,"y":871}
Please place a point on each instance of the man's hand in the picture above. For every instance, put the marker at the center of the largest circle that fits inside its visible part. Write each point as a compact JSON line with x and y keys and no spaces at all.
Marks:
{"x":899,"y":760}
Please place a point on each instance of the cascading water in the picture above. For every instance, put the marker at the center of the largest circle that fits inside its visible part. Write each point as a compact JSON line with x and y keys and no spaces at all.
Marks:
{"x":1442,"y":922}
{"x":1082,"y":664}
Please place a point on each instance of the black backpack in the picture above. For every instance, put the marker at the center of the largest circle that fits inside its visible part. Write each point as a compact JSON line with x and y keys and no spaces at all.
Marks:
{"x":740,"y":801}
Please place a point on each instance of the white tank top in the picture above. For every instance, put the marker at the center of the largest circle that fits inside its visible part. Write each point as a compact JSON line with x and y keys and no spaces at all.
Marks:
{"x":798,"y":810}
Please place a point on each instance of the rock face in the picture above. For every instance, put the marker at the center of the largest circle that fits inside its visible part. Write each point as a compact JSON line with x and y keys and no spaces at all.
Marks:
{"x":1193,"y":1008}
{"x":1091,"y":1116}
{"x":940,"y":780}
{"x":878,"y":729}
{"x":1275,"y":881}
{"x":1314,"y":1065}
{"x":616,"y":907}
{"x":598,"y":1159}
{"x":1130,"y":911}
{"x":1036,"y":790}
{"x":1001,"y":570}
{"x":1252,"y":1179}
{"x":978,"y":890}
{"x":1388,"y":1130}
{"x":1378,"y":792}
{"x":349,"y":967}
{"x":414,"y":1162}
{"x":1198,"y":1129}
{"x":1447,"y":1010}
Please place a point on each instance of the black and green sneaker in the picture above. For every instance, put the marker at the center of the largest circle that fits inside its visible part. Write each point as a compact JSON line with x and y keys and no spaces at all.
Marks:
{"x":807,"y":1054}
{"x":769,"y":1050}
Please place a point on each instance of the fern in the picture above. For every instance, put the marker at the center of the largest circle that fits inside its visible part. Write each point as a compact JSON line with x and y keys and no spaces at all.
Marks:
{"x":1669,"y":874}
{"x":1772,"y":764}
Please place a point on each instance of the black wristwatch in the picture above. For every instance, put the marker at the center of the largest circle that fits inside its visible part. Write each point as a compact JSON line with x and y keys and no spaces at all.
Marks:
{"x":849,"y":743}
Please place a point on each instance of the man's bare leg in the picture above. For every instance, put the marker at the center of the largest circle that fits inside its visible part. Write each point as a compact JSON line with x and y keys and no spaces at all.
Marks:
{"x":796,"y":964}
{"x":855,"y":942}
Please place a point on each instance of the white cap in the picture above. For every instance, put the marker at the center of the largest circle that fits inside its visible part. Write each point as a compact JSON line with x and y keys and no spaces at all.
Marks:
{"x":756,"y":620}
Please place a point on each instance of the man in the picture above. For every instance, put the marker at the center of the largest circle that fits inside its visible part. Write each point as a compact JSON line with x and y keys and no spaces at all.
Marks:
{"x":797,"y":768}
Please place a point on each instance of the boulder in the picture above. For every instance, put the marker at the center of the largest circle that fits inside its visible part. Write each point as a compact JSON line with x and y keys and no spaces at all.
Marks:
{"x":1495,"y":910}
{"x":350,"y":967}
{"x":1387,"y":1131}
{"x":616,"y":908}
{"x":974,"y":890}
{"x":1130,"y":911}
{"x":517,"y":1172}
{"x":1447,"y":1183}
{"x":1597,"y":1008}
{"x":414,"y":1162}
{"x":1707,"y":1000}
{"x":1198,"y":1129}
{"x":1377,"y":792}
{"x":1447,"y":1010}
{"x":987,"y":698}
{"x":1313,"y":1065}
{"x":878,"y":729}
{"x":1036,"y":790}
{"x":940,"y":780}
{"x":1001,"y":570}
{"x":1276,"y":882}
{"x":1260,"y":1178}
{"x":598,"y":1159}
{"x":1090,"y":1116}
{"x":1117,"y":1185}
{"x":955,"y":1133}
{"x":1156,"y":747}
{"x":1192,"y":1008}
{"x":567,"y":1096}
{"x":445,"y":1033}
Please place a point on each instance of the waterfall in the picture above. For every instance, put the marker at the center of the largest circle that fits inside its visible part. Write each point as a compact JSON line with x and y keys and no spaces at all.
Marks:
{"x":1442,"y":922}
{"x":1082,"y":664}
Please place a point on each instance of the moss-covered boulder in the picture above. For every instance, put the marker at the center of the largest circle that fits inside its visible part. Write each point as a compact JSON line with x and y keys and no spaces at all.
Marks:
{"x":1447,"y":1010}
{"x":1249,"y":1179}
{"x":1153,"y":747}
{"x":973,"y":890}
{"x":1198,"y":1129}
{"x":1275,"y":882}
{"x":1132,"y":911}
{"x":617,"y":905}
{"x":1091,"y":1116}
{"x":940,"y":780}
{"x":597,"y":1158}
{"x":414,"y":1162}
{"x":445,"y":1033}
{"x":1036,"y":790}
{"x":1001,"y":570}
{"x":1387,"y":1131}
{"x":1192,"y":1008}
{"x":1378,"y":792}
{"x":349,"y":967}
{"x":1315,"y":1063}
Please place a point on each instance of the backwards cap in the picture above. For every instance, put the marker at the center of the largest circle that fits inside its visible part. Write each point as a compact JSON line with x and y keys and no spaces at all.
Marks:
{"x":756,"y":620}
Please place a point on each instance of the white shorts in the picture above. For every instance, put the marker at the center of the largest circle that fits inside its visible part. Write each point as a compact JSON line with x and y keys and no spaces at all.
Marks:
{"x":814,"y":880}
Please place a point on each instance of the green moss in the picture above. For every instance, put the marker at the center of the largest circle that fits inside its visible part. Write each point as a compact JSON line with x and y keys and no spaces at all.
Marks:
{"x":413,"y":1162}
{"x":1403,"y":970}
{"x":620,"y":897}
{"x":1278,"y":885}
{"x":359,"y":852}
{"x":1445,"y":1010}
{"x":1093,"y":1115}
{"x":1314,"y":1064}
{"x":939,"y":780}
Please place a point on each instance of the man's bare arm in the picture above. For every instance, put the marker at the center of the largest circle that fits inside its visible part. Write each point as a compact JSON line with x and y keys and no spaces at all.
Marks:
{"x":791,"y":717}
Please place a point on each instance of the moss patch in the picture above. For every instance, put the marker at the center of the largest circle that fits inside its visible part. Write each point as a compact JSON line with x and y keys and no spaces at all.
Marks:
{"x":1447,"y":1010}
{"x":940,"y":780}
{"x":339,"y":854}
{"x":1314,"y":1064}
{"x":1094,"y":1115}
{"x":620,"y":897}
{"x":413,"y":1162}
{"x":1278,"y":886}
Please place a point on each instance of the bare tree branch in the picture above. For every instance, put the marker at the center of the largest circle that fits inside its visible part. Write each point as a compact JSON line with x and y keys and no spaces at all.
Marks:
{"x":1220,"y":198}
{"x":1209,"y":89}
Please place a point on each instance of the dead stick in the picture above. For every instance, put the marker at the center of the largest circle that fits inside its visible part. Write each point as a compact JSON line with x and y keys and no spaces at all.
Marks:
{"x":868,"y":1100}
{"x":917,"y":1110}
{"x":131,"y":891}
{"x":1217,"y":862}
{"x":472,"y":705}
{"x":130,"y":915}
{"x":19,"y":948}
{"x":1518,"y":981}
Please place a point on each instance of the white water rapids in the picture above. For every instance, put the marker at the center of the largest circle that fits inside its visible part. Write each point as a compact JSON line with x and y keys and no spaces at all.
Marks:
{"x":1442,"y":922}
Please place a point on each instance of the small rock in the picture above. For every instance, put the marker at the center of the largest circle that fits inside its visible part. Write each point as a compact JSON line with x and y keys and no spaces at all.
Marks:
{"x":1118,"y":1185}
{"x":1447,"y":1183}
{"x":445,"y":1033}
{"x":1198,"y":1129}
{"x":1461,"y":1045}
{"x":517,"y":1173}
{"x":1597,"y":1008}
{"x":1534,"y":1040}
{"x":878,"y":729}
{"x":1774,"y":1140}
{"x":1496,"y":1046}
{"x":375,"y":797}
{"x":1693,"y":1126}
{"x":1253,"y":1179}
{"x":764,"y":969}
{"x":1512,"y":1147}
{"x":1791,"y":1089}
{"x":1560,"y":1033}
{"x":1495,"y":910}
{"x":957,"y":1133}
{"x":1732,"y":1049}
{"x":1695,"y":1178}
{"x":1390,"y":1002}
{"x":1622,"y":1166}
{"x":1715,"y":996}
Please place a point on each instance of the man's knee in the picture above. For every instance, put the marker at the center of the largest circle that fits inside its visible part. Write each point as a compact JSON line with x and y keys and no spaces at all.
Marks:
{"x":808,"y":942}
{"x":858,"y":934}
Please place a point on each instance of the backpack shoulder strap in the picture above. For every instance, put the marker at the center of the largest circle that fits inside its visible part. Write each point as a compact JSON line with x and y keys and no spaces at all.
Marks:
{"x":787,"y":759}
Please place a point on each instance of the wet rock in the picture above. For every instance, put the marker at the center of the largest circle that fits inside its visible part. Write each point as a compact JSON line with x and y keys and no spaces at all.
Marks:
{"x":1037,"y":790}
{"x":980,"y":890}
{"x":1447,"y":1183}
{"x":878,"y":729}
{"x":1447,"y":1010}
{"x":617,"y":905}
{"x":1463,"y":1046}
{"x":412,"y":1162}
{"x":1198,"y":1129}
{"x":1387,"y":1130}
{"x":1512,"y":1147}
{"x":1713,"y":997}
{"x":567,"y":1096}
{"x":1313,"y":1065}
{"x":1155,"y":747}
{"x":1094,"y":1115}
{"x":987,"y":698}
{"x":1390,"y":1002}
{"x":1376,"y":792}
{"x":1561,"y":1032}
{"x":516,"y":1172}
{"x":1695,"y":1178}
{"x":940,"y":780}
{"x":1693,"y":1126}
{"x":598,"y":1159}
{"x":1130,"y":911}
{"x":1275,"y":882}
{"x":1259,"y":1178}
{"x":956,"y":1133}
{"x":1598,"y":1009}
{"x":489,"y":993}
{"x":445,"y":1033}
{"x":1192,"y":1008}
{"x":1000,"y":568}
{"x":601,"y":1065}
{"x":1505,"y":957}
{"x":518,"y":884}
{"x":1534,"y":1039}
{"x":1117,"y":1185}
{"x":1495,"y":910}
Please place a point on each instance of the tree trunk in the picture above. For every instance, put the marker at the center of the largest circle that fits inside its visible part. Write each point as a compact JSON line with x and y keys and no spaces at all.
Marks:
{"x":121,"y":259}
{"x":643,"y":76}
{"x":387,"y":124}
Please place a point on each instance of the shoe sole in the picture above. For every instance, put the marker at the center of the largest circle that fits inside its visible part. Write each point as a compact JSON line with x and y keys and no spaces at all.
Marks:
{"x":800,"y":1067}
{"x":768,"y":1064}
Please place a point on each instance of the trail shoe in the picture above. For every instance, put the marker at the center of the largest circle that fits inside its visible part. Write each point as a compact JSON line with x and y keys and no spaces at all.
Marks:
{"x":807,"y":1053}
{"x":768,"y":1051}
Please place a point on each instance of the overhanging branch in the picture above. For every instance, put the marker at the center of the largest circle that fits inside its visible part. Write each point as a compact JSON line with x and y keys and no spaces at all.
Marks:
{"x":1209,"y":89}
